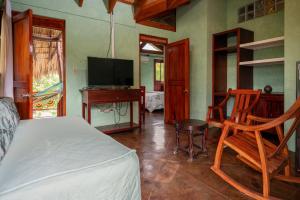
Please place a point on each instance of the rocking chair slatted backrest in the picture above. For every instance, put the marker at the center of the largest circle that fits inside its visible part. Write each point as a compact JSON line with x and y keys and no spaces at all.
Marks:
{"x":244,"y":102}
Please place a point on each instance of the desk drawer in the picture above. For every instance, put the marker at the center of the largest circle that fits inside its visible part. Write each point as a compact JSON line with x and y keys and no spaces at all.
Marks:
{"x":114,"y":95}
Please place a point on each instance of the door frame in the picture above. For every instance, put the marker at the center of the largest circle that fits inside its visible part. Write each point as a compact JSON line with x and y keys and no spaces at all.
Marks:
{"x":57,"y":24}
{"x":155,"y":40}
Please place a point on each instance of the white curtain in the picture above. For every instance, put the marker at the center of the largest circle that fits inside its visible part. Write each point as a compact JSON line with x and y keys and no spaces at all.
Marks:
{"x":6,"y":52}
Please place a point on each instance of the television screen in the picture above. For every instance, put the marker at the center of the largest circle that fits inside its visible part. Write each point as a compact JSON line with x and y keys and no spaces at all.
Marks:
{"x":100,"y":71}
{"x":106,"y":71}
{"x":123,"y":72}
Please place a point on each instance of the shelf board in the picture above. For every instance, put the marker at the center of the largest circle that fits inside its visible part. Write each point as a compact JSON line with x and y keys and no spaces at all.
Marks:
{"x":273,"y":42}
{"x":230,"y":49}
{"x":271,"y":61}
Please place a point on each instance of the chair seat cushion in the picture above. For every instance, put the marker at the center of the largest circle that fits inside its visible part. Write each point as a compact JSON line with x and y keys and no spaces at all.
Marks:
{"x":245,"y":145}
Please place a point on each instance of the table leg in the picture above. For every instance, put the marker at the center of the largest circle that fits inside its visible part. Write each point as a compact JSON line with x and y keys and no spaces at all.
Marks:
{"x":177,"y":139}
{"x":131,"y":114}
{"x":83,"y":111}
{"x":191,"y":146}
{"x":140,"y":116}
{"x":204,"y":138}
{"x":89,"y":107}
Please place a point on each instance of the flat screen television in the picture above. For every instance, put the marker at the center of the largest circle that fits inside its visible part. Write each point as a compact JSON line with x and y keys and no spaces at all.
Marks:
{"x":110,"y":72}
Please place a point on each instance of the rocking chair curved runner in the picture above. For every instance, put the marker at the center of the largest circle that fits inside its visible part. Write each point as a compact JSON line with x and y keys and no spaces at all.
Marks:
{"x":244,"y":102}
{"x":260,"y":154}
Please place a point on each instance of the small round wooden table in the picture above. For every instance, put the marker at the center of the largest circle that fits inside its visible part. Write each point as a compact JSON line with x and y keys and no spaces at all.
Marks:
{"x":194,"y":128}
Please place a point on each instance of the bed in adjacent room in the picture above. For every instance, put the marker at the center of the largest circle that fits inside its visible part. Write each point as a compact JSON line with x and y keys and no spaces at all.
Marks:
{"x":155,"y":100}
{"x":65,"y":158}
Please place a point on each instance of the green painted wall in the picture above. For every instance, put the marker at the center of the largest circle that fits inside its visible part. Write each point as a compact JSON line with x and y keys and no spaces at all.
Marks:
{"x":292,"y":53}
{"x":197,"y":21}
{"x":87,"y":34}
{"x":264,"y":27}
{"x":147,"y":71}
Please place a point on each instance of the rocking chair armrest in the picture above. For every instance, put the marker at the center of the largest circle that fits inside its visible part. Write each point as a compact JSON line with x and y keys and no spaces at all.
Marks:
{"x":243,"y":127}
{"x":259,"y":119}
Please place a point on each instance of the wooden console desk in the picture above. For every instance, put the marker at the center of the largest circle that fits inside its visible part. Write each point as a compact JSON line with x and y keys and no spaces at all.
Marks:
{"x":92,"y":97}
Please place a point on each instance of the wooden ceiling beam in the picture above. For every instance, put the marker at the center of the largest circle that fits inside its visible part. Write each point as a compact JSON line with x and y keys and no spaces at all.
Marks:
{"x":110,"y":4}
{"x":80,"y":2}
{"x":130,"y":2}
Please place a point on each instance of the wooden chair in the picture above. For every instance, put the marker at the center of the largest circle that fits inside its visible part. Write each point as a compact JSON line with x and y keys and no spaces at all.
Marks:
{"x":143,"y":102}
{"x":244,"y":102}
{"x":260,"y":154}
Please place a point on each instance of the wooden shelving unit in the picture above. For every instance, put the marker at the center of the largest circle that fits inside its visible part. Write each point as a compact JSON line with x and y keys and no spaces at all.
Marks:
{"x":268,"y":43}
{"x":240,"y":42}
{"x":263,"y":44}
{"x":263,"y":62}
{"x":230,"y":49}
{"x":225,"y":43}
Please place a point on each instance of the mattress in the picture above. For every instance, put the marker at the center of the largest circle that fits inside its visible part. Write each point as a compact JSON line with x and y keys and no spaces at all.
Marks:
{"x":155,"y":101}
{"x":65,"y":158}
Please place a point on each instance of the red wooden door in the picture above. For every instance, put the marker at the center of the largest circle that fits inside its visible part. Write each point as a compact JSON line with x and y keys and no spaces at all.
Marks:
{"x":177,"y":81}
{"x":22,"y":37}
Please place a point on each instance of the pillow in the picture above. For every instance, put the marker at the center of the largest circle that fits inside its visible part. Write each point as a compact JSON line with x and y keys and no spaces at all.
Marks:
{"x":9,"y":119}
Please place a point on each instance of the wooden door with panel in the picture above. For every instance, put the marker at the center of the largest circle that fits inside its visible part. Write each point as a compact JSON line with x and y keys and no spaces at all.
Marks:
{"x":177,"y":81}
{"x":22,"y":37}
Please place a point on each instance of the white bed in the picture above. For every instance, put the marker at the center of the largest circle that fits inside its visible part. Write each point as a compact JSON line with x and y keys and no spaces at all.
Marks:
{"x":155,"y":101}
{"x":65,"y":158}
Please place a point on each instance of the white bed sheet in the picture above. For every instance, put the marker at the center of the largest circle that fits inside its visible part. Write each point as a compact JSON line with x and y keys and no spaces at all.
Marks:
{"x":155,"y":101}
{"x":65,"y":158}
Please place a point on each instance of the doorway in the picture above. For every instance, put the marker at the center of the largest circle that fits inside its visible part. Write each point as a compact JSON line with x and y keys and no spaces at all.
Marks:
{"x":47,"y":84}
{"x":152,"y":74}
{"x":170,"y":90}
{"x":39,"y":65}
{"x":49,"y":70}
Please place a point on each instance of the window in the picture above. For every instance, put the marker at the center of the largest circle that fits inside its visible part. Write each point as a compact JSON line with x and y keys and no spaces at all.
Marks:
{"x":159,"y":75}
{"x":159,"y":70}
{"x":259,"y":8}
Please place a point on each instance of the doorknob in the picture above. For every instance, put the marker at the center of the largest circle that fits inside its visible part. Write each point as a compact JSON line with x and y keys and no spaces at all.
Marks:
{"x":186,"y":91}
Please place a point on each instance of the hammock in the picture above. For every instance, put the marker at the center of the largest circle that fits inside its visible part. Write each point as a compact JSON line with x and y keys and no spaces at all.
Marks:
{"x":48,"y":98}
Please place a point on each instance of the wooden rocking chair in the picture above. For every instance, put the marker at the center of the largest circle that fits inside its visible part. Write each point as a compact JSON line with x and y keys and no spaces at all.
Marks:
{"x":244,"y":102}
{"x":260,"y":154}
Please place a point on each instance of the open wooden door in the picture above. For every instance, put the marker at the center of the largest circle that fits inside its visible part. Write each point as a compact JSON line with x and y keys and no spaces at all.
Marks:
{"x":177,"y":81}
{"x":22,"y":37}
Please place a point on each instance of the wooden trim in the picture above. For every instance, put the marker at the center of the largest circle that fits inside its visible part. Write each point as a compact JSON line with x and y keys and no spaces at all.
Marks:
{"x":151,"y":39}
{"x":80,"y":3}
{"x":111,"y":5}
{"x":130,"y":2}
{"x":297,"y":140}
{"x":57,"y":24}
{"x":157,"y":25}
{"x":48,"y":22}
